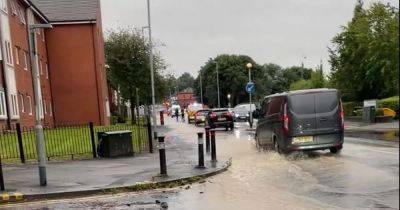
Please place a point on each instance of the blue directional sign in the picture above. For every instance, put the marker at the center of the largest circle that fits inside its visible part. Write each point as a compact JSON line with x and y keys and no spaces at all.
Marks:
{"x":250,"y":88}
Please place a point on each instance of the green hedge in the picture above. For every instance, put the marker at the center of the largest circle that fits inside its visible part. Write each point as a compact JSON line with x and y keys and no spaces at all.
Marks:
{"x":350,"y":108}
{"x":391,"y":103}
{"x":355,"y":108}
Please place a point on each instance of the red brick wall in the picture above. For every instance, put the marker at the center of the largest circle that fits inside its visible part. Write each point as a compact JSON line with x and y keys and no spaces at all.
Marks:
{"x":19,"y":35}
{"x":184,"y":99}
{"x":77,"y":75}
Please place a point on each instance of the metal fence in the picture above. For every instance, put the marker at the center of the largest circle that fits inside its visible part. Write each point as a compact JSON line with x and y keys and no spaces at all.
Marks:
{"x":18,"y":143}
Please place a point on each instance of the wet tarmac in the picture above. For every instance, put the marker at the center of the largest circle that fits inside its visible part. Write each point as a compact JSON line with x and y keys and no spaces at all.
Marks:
{"x":365,"y":175}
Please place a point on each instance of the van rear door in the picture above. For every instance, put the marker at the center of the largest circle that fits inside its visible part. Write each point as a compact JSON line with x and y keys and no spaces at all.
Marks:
{"x":302,"y":114}
{"x":314,"y":113}
{"x":327,"y":112}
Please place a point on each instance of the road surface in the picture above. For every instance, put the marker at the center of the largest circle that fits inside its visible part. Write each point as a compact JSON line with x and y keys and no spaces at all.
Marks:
{"x":365,"y":175}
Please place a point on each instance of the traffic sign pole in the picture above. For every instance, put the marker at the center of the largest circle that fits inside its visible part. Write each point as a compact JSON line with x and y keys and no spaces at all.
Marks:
{"x":250,"y":114}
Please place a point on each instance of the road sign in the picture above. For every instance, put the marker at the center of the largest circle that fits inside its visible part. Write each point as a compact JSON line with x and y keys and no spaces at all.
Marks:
{"x":250,"y":88}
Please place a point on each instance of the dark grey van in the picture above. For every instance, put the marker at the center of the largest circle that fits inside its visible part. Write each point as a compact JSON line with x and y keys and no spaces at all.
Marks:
{"x":301,"y":120}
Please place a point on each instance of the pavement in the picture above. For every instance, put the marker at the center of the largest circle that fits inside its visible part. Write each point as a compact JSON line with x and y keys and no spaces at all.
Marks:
{"x":380,"y":131}
{"x":98,"y":175}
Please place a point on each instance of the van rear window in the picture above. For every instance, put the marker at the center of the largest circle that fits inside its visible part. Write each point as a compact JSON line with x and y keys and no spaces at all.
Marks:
{"x":326,"y":102}
{"x":302,"y":103}
{"x":314,"y":103}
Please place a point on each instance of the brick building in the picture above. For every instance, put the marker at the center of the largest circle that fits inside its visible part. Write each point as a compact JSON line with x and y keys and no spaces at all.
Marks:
{"x":186,"y":97}
{"x":69,"y":57}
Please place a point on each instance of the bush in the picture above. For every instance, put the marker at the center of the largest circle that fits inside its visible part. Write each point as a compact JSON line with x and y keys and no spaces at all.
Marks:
{"x":391,"y":103}
{"x":350,"y":108}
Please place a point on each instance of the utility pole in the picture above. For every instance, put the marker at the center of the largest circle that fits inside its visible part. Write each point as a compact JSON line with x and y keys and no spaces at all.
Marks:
{"x":201,"y":88}
{"x":219,"y":102}
{"x":153,"y":98}
{"x":40,"y":144}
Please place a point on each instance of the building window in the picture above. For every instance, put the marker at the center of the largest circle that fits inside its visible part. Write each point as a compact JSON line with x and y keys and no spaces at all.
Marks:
{"x":25,"y":60}
{"x":3,"y":112}
{"x":14,"y":104}
{"x":44,"y":106}
{"x":21,"y":15}
{"x":40,"y":67}
{"x":22,"y":103}
{"x":17,"y":55}
{"x":42,"y":34}
{"x":29,"y":105}
{"x":50,"y":109}
{"x":14,"y":8}
{"x":47,"y":70}
{"x":108,"y":114}
{"x":9,"y":56}
{"x":3,"y":5}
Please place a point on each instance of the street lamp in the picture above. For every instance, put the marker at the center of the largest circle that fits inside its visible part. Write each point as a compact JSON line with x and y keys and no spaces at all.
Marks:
{"x":201,"y":88}
{"x":229,"y":100}
{"x":40,"y":145}
{"x":153,"y":99}
{"x":249,"y":66}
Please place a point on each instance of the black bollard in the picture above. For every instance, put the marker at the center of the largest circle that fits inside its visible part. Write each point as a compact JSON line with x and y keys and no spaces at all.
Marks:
{"x":213,"y":147}
{"x":155,"y":135}
{"x":200,"y":142}
{"x":207,"y":139}
{"x":163,"y":159}
{"x":162,"y":117}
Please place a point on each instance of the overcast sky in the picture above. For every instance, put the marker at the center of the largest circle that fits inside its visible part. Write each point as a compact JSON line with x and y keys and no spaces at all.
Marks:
{"x":277,"y":31}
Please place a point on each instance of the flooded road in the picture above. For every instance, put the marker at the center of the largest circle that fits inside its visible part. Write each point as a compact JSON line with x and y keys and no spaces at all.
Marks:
{"x":365,"y":175}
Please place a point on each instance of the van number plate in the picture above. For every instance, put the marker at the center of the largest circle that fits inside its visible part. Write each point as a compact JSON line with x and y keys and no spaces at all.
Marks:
{"x":302,"y":139}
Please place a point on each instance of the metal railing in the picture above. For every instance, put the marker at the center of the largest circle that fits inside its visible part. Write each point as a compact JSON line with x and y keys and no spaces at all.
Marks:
{"x":18,"y":143}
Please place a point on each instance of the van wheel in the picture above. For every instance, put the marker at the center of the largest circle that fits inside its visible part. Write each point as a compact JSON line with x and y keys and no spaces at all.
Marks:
{"x":277,"y":147}
{"x":335,"y":150}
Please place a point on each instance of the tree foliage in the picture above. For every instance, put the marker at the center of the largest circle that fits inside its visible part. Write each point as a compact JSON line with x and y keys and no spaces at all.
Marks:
{"x":233,"y":76}
{"x":127,"y":55}
{"x":365,"y":56}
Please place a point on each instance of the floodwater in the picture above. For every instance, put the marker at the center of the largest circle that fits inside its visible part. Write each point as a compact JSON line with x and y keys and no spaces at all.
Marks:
{"x":365,"y":175}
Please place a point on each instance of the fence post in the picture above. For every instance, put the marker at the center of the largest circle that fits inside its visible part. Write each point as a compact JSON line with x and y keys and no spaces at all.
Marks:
{"x":2,"y":188}
{"x":91,"y":128}
{"x":149,"y":134}
{"x":20,"y":144}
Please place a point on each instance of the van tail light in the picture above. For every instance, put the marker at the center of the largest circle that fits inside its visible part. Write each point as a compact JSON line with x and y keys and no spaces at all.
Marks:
{"x":342,"y":113}
{"x":285,"y":118}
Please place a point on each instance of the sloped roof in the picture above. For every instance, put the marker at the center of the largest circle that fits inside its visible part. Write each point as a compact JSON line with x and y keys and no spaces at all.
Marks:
{"x":68,"y":10}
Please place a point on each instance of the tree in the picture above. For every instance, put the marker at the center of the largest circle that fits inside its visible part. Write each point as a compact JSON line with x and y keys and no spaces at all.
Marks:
{"x":365,"y":57}
{"x":127,"y":55}
{"x":186,"y":80}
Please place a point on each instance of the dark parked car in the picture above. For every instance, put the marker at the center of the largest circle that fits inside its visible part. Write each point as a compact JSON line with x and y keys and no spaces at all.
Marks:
{"x":301,"y":120}
{"x":217,"y":118}
{"x":200,"y":117}
{"x":241,"y":112}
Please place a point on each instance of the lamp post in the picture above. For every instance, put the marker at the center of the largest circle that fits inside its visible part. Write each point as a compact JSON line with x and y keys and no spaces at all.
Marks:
{"x":153,"y":99}
{"x":201,"y":88}
{"x":219,"y":101}
{"x":40,"y":144}
{"x":249,"y":66}
{"x":229,"y":100}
